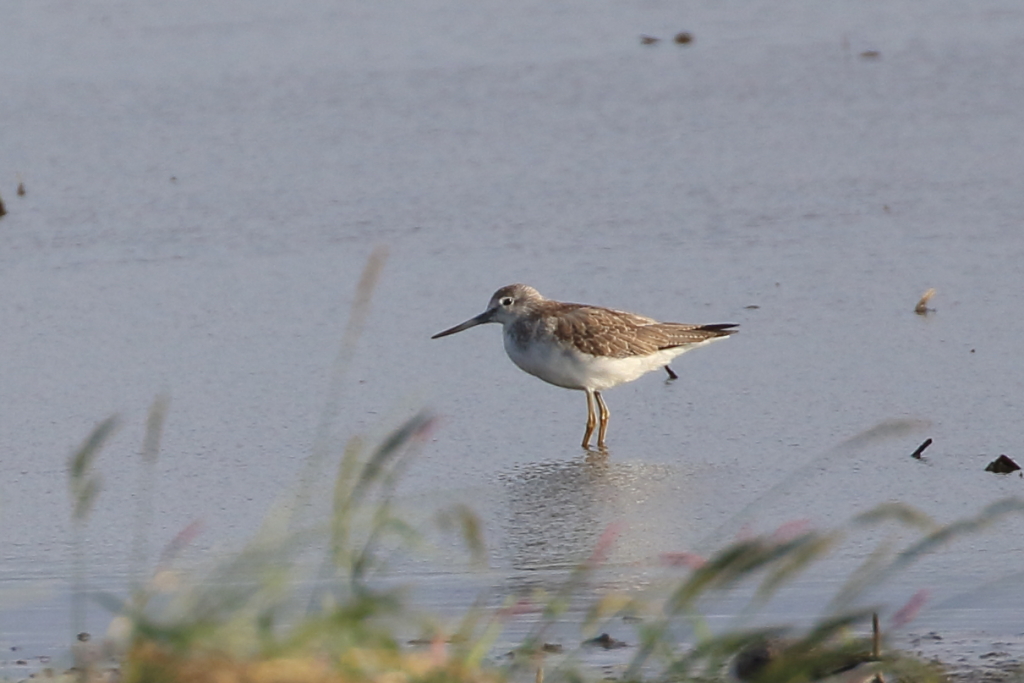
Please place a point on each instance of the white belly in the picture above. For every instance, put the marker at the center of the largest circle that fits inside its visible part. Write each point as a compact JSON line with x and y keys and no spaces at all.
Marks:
{"x":565,"y":367}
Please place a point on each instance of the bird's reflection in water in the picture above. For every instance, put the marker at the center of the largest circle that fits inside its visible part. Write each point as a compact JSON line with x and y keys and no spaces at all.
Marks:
{"x":557,"y":510}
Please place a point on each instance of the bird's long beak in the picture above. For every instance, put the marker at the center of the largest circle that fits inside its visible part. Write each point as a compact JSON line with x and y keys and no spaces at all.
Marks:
{"x":484,"y":317}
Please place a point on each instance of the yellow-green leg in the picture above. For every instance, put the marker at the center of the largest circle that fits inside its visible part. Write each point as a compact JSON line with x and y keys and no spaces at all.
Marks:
{"x":591,"y":418}
{"x":603,"y":422}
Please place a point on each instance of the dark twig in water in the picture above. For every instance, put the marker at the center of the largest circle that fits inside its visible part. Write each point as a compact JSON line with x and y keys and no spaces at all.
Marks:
{"x":671,"y":375}
{"x":920,"y":449}
{"x":876,"y":635}
{"x":876,"y":644}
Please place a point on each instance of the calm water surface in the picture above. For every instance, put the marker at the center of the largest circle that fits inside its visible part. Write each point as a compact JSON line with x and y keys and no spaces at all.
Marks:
{"x":197,"y":216}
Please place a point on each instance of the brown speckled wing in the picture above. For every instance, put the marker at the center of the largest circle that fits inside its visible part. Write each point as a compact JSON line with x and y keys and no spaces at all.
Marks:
{"x":605,"y":332}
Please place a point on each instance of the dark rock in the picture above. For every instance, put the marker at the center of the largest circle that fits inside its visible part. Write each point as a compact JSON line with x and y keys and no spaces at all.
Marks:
{"x":606,"y":641}
{"x":755,"y":658}
{"x":1002,"y":465}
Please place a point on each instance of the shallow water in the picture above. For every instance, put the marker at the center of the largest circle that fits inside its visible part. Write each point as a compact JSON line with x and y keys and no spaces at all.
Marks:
{"x":197,"y":216}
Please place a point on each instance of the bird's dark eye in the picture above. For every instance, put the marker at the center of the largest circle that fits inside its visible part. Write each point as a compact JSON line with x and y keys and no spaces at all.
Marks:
{"x":506,"y":301}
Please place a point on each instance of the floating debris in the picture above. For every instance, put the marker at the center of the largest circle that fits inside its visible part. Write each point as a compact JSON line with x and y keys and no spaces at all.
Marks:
{"x":870,"y":54}
{"x":606,"y":641}
{"x":1002,"y":465}
{"x":683,"y":38}
{"x":671,"y":373}
{"x":649,"y":40}
{"x":21,"y":189}
{"x":433,"y":641}
{"x":922,"y":306}
{"x":920,"y":449}
{"x":752,"y":307}
{"x":3,"y":209}
{"x":546,"y":648}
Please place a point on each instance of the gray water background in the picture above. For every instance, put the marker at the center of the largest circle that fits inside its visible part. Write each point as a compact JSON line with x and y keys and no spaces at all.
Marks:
{"x":205,"y":181}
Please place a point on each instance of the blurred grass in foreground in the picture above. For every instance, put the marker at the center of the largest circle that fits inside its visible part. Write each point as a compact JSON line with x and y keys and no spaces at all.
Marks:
{"x":258,"y":617}
{"x":250,"y":620}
